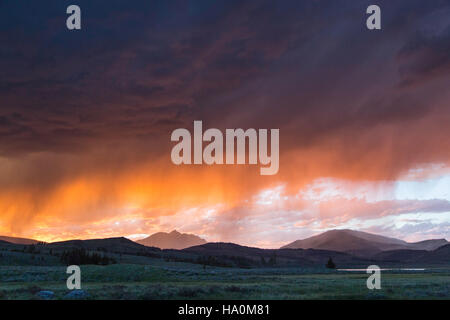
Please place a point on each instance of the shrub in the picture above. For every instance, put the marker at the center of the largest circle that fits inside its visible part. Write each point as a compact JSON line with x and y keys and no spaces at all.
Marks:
{"x":330,"y":264}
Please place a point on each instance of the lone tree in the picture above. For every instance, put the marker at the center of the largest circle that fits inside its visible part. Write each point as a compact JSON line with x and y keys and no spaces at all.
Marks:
{"x":330,"y":264}
{"x":273,"y":260}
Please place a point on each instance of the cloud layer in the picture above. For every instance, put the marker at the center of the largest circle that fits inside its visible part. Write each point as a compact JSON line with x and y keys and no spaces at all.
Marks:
{"x":86,"y":117}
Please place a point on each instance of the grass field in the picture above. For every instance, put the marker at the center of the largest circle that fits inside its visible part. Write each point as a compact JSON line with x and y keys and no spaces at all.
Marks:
{"x":174,"y":280}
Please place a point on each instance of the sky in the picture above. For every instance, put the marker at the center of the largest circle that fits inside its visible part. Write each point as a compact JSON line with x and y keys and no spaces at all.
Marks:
{"x":86,"y":118}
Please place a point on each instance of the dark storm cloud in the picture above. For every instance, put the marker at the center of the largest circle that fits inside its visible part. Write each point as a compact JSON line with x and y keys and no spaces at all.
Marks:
{"x":138,"y":70}
{"x":425,"y":57}
{"x":128,"y":60}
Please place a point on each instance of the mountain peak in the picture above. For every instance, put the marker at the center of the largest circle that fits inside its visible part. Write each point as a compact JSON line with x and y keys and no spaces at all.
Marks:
{"x":360,"y":243}
{"x":172,"y":240}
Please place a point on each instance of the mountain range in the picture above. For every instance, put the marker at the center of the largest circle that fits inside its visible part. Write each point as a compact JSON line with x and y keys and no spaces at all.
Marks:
{"x":361,"y":243}
{"x":347,"y":248}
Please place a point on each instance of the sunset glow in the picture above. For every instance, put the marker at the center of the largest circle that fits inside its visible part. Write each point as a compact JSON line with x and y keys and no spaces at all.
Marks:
{"x":85,"y":122}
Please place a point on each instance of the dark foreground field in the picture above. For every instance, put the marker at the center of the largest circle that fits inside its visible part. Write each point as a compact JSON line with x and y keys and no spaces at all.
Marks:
{"x":175,"y":280}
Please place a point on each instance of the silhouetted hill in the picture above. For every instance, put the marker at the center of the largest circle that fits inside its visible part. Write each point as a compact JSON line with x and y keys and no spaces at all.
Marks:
{"x":18,"y":240}
{"x":438,"y":256}
{"x":172,"y":240}
{"x":220,"y":254}
{"x":403,"y":255}
{"x":115,"y":245}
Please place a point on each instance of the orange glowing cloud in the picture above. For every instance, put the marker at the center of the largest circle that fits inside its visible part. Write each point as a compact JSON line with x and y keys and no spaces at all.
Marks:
{"x":85,"y":134}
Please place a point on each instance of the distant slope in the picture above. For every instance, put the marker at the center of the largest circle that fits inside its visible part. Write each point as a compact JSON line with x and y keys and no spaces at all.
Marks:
{"x":429,"y":245}
{"x":361,"y":243}
{"x":231,"y":254}
{"x":374,"y":237}
{"x":438,"y":256}
{"x":348,"y":241}
{"x":172,"y":240}
{"x":121,"y":249}
{"x":402,"y":255}
{"x":220,"y":255}
{"x":18,"y":240}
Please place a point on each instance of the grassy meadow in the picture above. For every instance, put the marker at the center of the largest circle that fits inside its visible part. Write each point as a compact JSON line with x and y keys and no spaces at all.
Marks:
{"x":159,"y":279}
